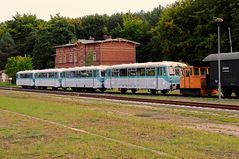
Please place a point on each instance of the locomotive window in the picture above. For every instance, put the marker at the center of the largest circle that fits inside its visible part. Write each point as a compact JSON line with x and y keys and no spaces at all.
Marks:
{"x":196,"y":71}
{"x":203,"y":71}
{"x":140,"y":71}
{"x":123,"y":72}
{"x":150,"y":71}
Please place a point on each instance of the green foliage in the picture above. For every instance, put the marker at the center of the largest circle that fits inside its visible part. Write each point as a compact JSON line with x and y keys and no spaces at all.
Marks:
{"x":89,"y":60}
{"x":95,"y":26}
{"x":7,"y":48}
{"x":18,"y":63}
{"x":183,"y":31}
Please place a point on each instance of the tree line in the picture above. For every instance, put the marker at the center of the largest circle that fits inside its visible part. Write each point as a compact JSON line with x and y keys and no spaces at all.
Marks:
{"x":184,"y":31}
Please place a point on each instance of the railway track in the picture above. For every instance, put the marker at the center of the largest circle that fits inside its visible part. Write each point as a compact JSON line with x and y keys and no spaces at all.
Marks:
{"x":132,"y":99}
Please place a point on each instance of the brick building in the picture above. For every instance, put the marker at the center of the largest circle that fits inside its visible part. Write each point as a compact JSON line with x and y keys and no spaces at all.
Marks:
{"x":103,"y":52}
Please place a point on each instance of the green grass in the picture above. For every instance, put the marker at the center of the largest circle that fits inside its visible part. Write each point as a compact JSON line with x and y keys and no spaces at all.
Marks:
{"x":169,"y":130}
{"x":7,"y":84}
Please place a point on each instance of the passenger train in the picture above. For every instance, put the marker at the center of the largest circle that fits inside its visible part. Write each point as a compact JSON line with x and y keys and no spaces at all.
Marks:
{"x":153,"y":76}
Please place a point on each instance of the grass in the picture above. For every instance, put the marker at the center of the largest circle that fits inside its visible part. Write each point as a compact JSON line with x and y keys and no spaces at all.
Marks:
{"x":7,"y":84}
{"x":173,"y":131}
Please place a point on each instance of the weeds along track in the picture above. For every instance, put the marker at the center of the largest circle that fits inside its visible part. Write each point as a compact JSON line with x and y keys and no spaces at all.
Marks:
{"x":131,"y":99}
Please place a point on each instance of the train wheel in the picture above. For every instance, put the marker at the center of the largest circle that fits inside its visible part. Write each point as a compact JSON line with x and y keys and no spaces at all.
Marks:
{"x":227,"y":92}
{"x":123,"y":90}
{"x":73,"y":89}
{"x":54,"y":88}
{"x":153,"y":91}
{"x":165,"y":91}
{"x":133,"y":91}
{"x":102,"y":89}
{"x":237,"y":92}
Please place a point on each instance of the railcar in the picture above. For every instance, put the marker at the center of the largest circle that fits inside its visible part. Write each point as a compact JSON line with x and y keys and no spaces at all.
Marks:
{"x":47,"y":78}
{"x":84,"y":78}
{"x":153,"y":76}
{"x":25,"y":79}
{"x":206,"y":83}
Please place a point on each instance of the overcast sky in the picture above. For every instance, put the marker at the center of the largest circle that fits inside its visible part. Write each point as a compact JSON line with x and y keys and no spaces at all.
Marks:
{"x":75,"y":8}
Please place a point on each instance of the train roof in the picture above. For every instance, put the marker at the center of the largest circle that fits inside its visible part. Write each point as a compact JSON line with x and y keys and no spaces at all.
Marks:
{"x":223,"y":57}
{"x":149,"y":64}
{"x":26,"y":71}
{"x":41,"y":71}
{"x":86,"y":68}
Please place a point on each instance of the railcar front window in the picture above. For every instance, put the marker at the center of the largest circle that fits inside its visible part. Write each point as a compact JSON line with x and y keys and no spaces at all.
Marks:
{"x":171,"y":71}
{"x":178,"y":71}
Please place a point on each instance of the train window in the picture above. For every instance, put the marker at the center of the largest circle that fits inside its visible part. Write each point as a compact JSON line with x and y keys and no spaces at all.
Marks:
{"x":89,"y":73}
{"x":132,"y":72}
{"x":140,"y":71}
{"x":52,"y":75}
{"x":115,"y":73}
{"x":178,"y":71}
{"x":150,"y":71}
{"x":171,"y":70}
{"x":102,"y":73}
{"x":86,"y":73}
{"x":160,"y":73}
{"x":203,"y":71}
{"x":196,"y":71}
{"x":123,"y":72}
{"x":63,"y":75}
{"x":68,"y":74}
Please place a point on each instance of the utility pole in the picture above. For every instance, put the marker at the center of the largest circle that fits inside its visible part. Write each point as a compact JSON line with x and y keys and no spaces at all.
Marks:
{"x":230,"y":38}
{"x":219,"y":21}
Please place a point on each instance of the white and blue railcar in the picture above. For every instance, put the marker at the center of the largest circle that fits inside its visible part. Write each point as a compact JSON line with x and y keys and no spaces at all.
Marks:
{"x":154,"y":76}
{"x":25,"y":78}
{"x":48,"y":78}
{"x":87,"y":78}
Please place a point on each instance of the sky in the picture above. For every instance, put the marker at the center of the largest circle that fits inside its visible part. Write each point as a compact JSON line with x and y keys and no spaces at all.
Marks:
{"x":75,"y":8}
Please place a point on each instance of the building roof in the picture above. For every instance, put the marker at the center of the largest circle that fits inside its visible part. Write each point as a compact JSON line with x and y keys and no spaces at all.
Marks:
{"x":223,"y":57}
{"x":85,"y":42}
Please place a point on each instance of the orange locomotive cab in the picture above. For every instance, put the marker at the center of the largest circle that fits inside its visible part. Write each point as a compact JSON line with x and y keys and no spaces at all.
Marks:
{"x":194,"y":81}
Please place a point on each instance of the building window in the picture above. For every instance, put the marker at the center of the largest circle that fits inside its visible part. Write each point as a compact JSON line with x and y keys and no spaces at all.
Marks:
{"x":94,"y":56}
{"x":75,"y":57}
{"x":64,"y":59}
{"x":60,"y":59}
{"x":70,"y":58}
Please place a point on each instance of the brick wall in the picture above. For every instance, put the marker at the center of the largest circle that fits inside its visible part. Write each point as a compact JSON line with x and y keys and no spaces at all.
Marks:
{"x":105,"y":53}
{"x":117,"y":53}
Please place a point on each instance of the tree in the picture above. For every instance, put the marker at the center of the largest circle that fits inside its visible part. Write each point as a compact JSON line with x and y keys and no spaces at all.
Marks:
{"x":7,"y":48}
{"x":20,"y":28}
{"x":89,"y":60}
{"x":18,"y":63}
{"x":95,"y":25}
